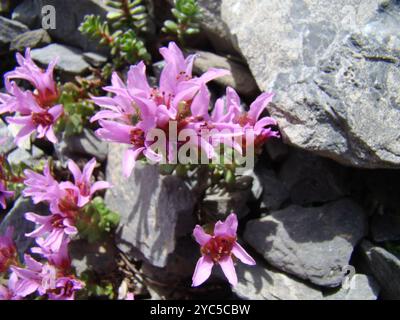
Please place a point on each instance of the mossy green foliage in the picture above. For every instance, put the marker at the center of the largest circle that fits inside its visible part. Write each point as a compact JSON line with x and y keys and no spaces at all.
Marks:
{"x":186,"y":15}
{"x":96,"y":220}
{"x":122,"y":32}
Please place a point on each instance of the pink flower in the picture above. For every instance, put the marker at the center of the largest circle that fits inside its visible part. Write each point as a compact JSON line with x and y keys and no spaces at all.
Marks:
{"x":9,"y":292}
{"x":82,"y":180}
{"x":65,"y":288}
{"x":43,"y":81}
{"x":135,"y":136}
{"x":41,"y":187}
{"x":247,"y":120}
{"x":130,"y":296}
{"x":218,"y":249}
{"x":44,"y":279}
{"x":59,"y":259}
{"x":34,"y":117}
{"x":8,"y":251}
{"x":34,"y":277}
{"x":136,"y":109}
{"x":55,"y":229}
{"x":4,"y":194}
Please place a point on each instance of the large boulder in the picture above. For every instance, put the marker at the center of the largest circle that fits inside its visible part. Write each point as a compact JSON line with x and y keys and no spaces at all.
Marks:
{"x":70,"y":63}
{"x":9,"y":30}
{"x":312,"y":243}
{"x":361,"y":287}
{"x":264,"y":283}
{"x":385,"y":267}
{"x":334,"y":66}
{"x":155,"y":210}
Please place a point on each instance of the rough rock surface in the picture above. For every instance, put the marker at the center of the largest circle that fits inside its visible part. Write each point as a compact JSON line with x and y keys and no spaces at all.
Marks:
{"x":240,"y":78}
{"x":361,"y":287}
{"x":85,"y":144}
{"x":70,"y":60}
{"x":385,"y":267}
{"x":311,"y":179}
{"x":9,"y":29}
{"x":8,"y":144}
{"x":16,"y":218}
{"x":334,"y":66}
{"x":68,"y":19}
{"x":99,"y":257}
{"x":154,"y":209}
{"x":31,"y":39}
{"x":261,"y":283}
{"x":311,"y":243}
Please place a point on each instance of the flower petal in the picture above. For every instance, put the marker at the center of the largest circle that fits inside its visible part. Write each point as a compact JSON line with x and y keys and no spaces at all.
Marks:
{"x":201,"y":236}
{"x":242,"y":255}
{"x":202,"y":271}
{"x":228,"y":227}
{"x":229,"y":270}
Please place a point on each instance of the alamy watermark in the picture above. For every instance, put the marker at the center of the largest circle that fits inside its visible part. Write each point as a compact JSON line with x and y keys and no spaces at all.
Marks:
{"x":49,"y":18}
{"x":204,"y":146}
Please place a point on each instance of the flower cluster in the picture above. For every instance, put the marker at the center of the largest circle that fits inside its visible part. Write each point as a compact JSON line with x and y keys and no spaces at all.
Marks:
{"x":52,"y":234}
{"x":218,"y":248}
{"x":135,"y":110}
{"x":34,"y":110}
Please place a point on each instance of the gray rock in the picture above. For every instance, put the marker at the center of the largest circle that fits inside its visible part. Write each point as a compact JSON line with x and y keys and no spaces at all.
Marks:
{"x":240,"y":79}
{"x":28,"y":13}
{"x":85,"y":144}
{"x":277,"y":150}
{"x":385,"y":227}
{"x":99,"y":257}
{"x":95,"y":59}
{"x":275,"y":192}
{"x":256,"y":186}
{"x":220,"y":202}
{"x":214,"y":27}
{"x":311,"y":243}
{"x":8,"y":144}
{"x":361,"y":287}
{"x":68,"y":19}
{"x":385,"y":267}
{"x":311,"y":179}
{"x":154,"y":209}
{"x":179,"y":267}
{"x":15,"y":218}
{"x":9,"y":29}
{"x":70,"y":61}
{"x":263,"y":283}
{"x":30,"y":158}
{"x":334,"y":66}
{"x":31,"y":39}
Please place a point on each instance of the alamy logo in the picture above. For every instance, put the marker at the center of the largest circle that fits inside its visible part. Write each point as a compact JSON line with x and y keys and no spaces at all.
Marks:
{"x":48,"y":17}
{"x":348,"y":277}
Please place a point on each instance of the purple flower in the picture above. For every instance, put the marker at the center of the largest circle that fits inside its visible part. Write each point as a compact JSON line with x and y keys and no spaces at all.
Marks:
{"x":34,"y":117}
{"x":82,"y":180}
{"x":55,"y":229}
{"x":8,"y":251}
{"x":9,"y":292}
{"x":218,"y":249}
{"x":4,"y":194}
{"x":65,"y":288}
{"x":34,"y":277}
{"x":59,"y":259}
{"x":41,"y":187}
{"x":43,"y":81}
{"x":135,"y":136}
